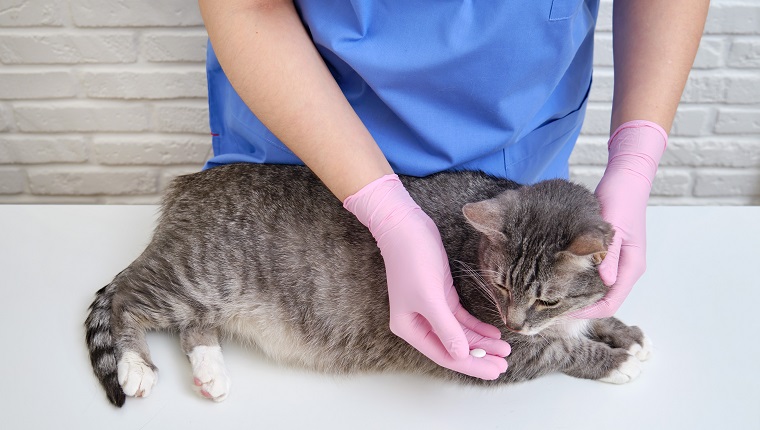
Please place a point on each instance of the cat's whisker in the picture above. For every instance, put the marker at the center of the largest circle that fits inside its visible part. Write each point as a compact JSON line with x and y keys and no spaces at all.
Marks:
{"x":469,"y":268}
{"x":546,"y":341}
{"x":466,"y":271}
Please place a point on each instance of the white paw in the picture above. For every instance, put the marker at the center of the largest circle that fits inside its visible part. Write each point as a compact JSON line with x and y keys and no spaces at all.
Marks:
{"x":135,"y":376}
{"x":209,"y":373}
{"x":641,"y":351}
{"x":626,"y":372}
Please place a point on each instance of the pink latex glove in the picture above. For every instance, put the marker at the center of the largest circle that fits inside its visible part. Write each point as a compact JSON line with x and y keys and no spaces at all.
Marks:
{"x":635,"y":149}
{"x":424,"y":305}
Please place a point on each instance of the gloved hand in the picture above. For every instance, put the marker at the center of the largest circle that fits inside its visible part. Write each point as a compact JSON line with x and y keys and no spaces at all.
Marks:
{"x":424,"y":305}
{"x":635,"y":149}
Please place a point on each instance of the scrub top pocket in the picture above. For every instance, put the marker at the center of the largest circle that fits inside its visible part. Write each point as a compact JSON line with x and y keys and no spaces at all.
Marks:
{"x":564,"y":9}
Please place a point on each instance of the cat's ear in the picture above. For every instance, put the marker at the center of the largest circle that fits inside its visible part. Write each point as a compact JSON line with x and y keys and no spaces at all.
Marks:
{"x":487,"y":216}
{"x":589,"y":247}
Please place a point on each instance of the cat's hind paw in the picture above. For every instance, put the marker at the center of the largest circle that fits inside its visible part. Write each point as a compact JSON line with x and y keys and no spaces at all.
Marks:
{"x":627,"y":371}
{"x":209,"y":372}
{"x":642,"y":350}
{"x":136,"y":377}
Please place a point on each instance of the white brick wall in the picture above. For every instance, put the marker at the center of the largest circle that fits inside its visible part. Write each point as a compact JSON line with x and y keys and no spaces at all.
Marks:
{"x":714,"y":152}
{"x":105,"y":101}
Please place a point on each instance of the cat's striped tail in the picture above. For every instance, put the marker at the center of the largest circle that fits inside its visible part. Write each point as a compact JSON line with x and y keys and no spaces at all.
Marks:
{"x":101,"y":344}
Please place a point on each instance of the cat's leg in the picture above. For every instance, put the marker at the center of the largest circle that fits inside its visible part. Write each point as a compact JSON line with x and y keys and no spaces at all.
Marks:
{"x":617,"y":334}
{"x":599,"y":361}
{"x":613,"y":352}
{"x":205,"y":355}
{"x":135,"y":371}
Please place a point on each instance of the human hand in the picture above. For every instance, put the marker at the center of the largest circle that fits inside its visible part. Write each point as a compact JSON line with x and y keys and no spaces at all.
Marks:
{"x":635,"y":149}
{"x":424,"y":305}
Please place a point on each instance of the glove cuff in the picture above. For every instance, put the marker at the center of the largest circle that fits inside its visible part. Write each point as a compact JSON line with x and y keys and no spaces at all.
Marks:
{"x":381,"y":204}
{"x":637,"y":146}
{"x":650,"y":138}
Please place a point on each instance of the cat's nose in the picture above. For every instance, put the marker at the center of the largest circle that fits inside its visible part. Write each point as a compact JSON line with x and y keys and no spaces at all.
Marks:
{"x":514,"y":327}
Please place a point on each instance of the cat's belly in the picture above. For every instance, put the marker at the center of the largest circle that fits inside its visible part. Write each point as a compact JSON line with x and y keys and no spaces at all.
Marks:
{"x":275,"y":338}
{"x":285,"y":341}
{"x":328,"y":350}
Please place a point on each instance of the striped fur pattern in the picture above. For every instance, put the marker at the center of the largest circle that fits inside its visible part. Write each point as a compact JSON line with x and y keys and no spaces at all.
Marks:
{"x":266,"y":255}
{"x":101,"y":344}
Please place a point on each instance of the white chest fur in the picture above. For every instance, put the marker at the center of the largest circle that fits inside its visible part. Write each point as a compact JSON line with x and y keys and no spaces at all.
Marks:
{"x":571,"y":327}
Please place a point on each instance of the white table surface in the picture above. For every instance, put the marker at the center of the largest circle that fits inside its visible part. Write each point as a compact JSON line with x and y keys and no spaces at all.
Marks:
{"x":699,"y":302}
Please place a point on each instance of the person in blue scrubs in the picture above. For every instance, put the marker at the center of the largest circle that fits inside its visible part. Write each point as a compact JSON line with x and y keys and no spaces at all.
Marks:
{"x":361,"y":89}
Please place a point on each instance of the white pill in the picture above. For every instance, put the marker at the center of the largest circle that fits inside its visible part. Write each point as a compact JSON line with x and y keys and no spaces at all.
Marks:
{"x":478,"y":353}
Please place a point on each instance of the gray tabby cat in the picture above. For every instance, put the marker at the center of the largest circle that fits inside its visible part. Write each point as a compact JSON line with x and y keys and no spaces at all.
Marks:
{"x":266,"y":254}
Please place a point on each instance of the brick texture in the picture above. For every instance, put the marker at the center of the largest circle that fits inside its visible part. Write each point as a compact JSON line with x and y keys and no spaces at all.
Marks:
{"x":672,"y":182}
{"x":42,"y":149}
{"x":145,"y":84}
{"x":712,"y":151}
{"x":603,"y":50}
{"x":175,"y":47}
{"x":37,"y":85}
{"x":135,"y":13}
{"x":597,"y":120}
{"x":31,"y":13}
{"x":104,"y":101}
{"x":710,"y":54}
{"x":738,"y":121}
{"x":5,"y":119}
{"x":87,"y":181}
{"x":733,"y":17}
{"x":12,"y":180}
{"x":704,"y":87}
{"x":743,"y":89}
{"x":76,"y":117}
{"x":691,"y":121}
{"x":146,"y":150}
{"x":745,"y":53}
{"x":601,"y":88}
{"x":185,"y":118}
{"x":726,"y":182}
{"x":66,"y":48}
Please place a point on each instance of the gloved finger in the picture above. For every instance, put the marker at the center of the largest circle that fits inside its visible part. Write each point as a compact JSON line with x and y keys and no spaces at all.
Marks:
{"x":500,"y":363}
{"x":427,"y":342}
{"x":601,"y":309}
{"x":481,"y":335}
{"x":448,"y":329}
{"x":418,"y":331}
{"x":491,"y":346}
{"x":633,"y":265}
{"x":488,"y":367}
{"x":466,"y":319}
{"x":608,"y":270}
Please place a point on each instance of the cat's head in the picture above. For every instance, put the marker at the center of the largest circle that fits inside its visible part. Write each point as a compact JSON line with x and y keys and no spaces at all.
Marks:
{"x":540,"y":251}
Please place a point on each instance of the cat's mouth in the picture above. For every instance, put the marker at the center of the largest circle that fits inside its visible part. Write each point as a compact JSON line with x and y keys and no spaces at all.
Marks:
{"x":525,"y":331}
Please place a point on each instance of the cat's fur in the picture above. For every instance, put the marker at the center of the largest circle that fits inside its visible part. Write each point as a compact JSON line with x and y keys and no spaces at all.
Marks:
{"x":265,"y":253}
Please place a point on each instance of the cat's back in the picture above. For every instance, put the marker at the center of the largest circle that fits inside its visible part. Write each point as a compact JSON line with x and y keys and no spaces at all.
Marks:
{"x":294,"y":193}
{"x":235,"y":185}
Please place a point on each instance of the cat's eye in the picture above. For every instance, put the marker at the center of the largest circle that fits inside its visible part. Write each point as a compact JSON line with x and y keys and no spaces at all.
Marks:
{"x":548,"y":303}
{"x":501,"y":282}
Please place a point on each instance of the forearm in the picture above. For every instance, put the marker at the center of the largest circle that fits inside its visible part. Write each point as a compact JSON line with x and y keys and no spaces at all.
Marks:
{"x":654,"y":45}
{"x":274,"y":67}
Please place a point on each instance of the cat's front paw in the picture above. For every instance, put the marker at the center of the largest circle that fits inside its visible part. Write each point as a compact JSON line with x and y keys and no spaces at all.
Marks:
{"x":642,"y":349}
{"x":209,"y":372}
{"x":625,"y":372}
{"x":136,"y":377}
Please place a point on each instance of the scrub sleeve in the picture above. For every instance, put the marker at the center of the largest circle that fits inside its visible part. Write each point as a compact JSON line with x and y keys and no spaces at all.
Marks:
{"x":499,"y":87}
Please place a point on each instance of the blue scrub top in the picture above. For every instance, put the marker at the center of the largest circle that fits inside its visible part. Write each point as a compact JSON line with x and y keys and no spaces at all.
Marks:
{"x":497,"y":86}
